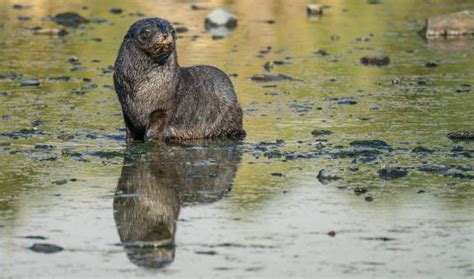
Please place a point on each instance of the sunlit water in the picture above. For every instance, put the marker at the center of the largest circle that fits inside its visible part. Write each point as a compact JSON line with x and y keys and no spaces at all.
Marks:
{"x":215,"y":209}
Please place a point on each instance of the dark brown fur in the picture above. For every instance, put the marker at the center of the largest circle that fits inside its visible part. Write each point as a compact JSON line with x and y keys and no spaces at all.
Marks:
{"x":163,"y":101}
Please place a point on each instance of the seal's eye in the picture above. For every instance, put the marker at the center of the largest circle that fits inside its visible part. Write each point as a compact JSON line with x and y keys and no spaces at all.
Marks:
{"x":144,"y":34}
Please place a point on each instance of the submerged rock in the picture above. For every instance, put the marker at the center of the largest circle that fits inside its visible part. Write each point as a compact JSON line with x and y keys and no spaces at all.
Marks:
{"x":392,"y":173}
{"x":116,"y":11}
{"x":326,"y":176}
{"x":315,"y":9}
{"x":375,"y":60}
{"x":376,"y":144}
{"x":46,"y":248}
{"x":30,"y":82}
{"x":270,"y":78}
{"x":70,"y":19}
{"x":318,"y":133}
{"x":461,"y":136}
{"x":460,"y":24}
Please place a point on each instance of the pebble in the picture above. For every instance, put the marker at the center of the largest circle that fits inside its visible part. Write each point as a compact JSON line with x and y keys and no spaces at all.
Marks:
{"x":375,"y":60}
{"x":30,"y":82}
{"x":46,"y":248}
{"x":392,"y":173}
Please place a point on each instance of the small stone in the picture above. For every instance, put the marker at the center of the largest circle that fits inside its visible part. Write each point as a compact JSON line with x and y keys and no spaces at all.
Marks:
{"x":278,"y":174}
{"x":115,"y":11}
{"x":270,"y":78}
{"x":46,"y":248}
{"x":326,"y":176}
{"x":332,"y":233}
{"x":359,"y":191}
{"x":220,"y":17}
{"x":70,"y":19}
{"x":60,"y":182}
{"x":181,"y":29}
{"x":74,"y":60}
{"x":392,"y":173}
{"x":30,"y":82}
{"x":369,"y":198}
{"x":461,"y":136}
{"x":321,"y":52}
{"x":50,"y":31}
{"x":377,"y":144}
{"x":375,"y":60}
{"x":268,"y":66}
{"x":421,"y":149}
{"x":335,"y":37}
{"x":431,"y":64}
{"x":314,"y":9}
{"x":24,"y":18}
{"x":197,"y":8}
{"x":318,"y":133}
{"x":459,"y":24}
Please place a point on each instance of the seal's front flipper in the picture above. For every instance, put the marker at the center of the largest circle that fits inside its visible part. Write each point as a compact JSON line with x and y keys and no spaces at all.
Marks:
{"x":156,"y":125}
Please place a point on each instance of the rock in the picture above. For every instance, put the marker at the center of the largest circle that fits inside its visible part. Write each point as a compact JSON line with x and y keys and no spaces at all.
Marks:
{"x":181,"y":29}
{"x":375,"y":60}
{"x":376,"y":144}
{"x":270,"y":78}
{"x":115,"y":11}
{"x":392,"y":173}
{"x":74,"y":60}
{"x":434,"y":168}
{"x":46,"y":248}
{"x":460,"y":24}
{"x":315,"y":9}
{"x":60,"y":182}
{"x":40,"y":237}
{"x":50,"y":31}
{"x":30,"y":82}
{"x":70,"y":19}
{"x":321,"y":52}
{"x":369,"y":198}
{"x":431,"y":64}
{"x":197,"y":8}
{"x":24,"y":18}
{"x":318,"y":133}
{"x":326,"y":176}
{"x":220,"y":17}
{"x":359,"y":191}
{"x":332,"y":233}
{"x":278,"y":174}
{"x":461,"y":136}
{"x":268,"y":66}
{"x":421,"y":149}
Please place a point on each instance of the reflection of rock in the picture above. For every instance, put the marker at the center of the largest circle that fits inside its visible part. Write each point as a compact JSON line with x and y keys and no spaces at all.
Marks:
{"x":460,"y":24}
{"x":220,"y":23}
{"x":152,"y":188}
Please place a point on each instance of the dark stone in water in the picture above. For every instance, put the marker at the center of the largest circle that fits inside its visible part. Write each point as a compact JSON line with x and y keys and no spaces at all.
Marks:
{"x":321,"y":52}
{"x":43,"y":147}
{"x":431,"y":64}
{"x":116,"y":11}
{"x":376,"y":144}
{"x":60,"y":182}
{"x":392,"y":173}
{"x":107,"y":154}
{"x":70,"y":19}
{"x":359,"y":191}
{"x":278,"y":174}
{"x":434,"y":168}
{"x":369,"y":198}
{"x":40,"y":237}
{"x":46,"y":248}
{"x":270,"y":78}
{"x":326,"y":176}
{"x":375,"y":60}
{"x":30,"y":82}
{"x":318,"y":133}
{"x":210,"y":253}
{"x":421,"y":149}
{"x":24,"y":18}
{"x":461,"y":136}
{"x":181,"y":29}
{"x":332,"y":233}
{"x":198,"y":8}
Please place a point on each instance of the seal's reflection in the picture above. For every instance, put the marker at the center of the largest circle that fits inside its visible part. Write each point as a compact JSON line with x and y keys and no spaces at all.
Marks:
{"x":154,"y":185}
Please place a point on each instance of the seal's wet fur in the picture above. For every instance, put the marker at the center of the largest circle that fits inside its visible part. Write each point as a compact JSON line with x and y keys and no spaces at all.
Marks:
{"x":163,"y":101}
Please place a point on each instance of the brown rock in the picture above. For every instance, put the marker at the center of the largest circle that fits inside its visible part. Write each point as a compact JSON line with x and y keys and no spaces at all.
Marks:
{"x":460,"y":24}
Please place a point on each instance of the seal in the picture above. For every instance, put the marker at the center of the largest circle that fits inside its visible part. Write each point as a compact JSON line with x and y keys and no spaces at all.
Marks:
{"x":161,"y":100}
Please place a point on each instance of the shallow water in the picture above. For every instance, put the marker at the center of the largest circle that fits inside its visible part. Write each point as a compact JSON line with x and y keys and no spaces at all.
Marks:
{"x":254,"y":208}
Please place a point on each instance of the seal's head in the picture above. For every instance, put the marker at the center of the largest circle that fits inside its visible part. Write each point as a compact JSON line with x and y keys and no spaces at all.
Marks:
{"x":156,"y":37}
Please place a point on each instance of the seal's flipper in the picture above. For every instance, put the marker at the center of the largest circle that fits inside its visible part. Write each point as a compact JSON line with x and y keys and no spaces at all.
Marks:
{"x":156,"y":125}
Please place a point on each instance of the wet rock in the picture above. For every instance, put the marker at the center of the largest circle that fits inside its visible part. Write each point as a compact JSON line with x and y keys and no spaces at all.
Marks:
{"x":74,"y":60}
{"x":392,"y":173}
{"x":315,"y":9}
{"x":431,"y":64}
{"x":421,"y":149}
{"x":346,"y":101}
{"x":326,"y":176}
{"x":335,"y":37}
{"x":50,"y":31}
{"x":321,"y":52}
{"x":43,"y":147}
{"x":460,"y":175}
{"x":107,"y":154}
{"x":369,"y":199}
{"x":332,"y":233}
{"x":30,"y":82}
{"x":440,"y":168}
{"x":220,"y":17}
{"x":39,"y":237}
{"x":373,"y":2}
{"x":46,"y":248}
{"x":60,"y":182}
{"x":198,"y":8}
{"x":60,"y":78}
{"x":181,"y":29}
{"x":375,"y":60}
{"x":380,"y":238}
{"x":461,"y":136}
{"x":270,"y":78}
{"x":209,"y":253}
{"x":24,"y":18}
{"x":277,"y":174}
{"x":460,"y":24}
{"x":359,"y":191}
{"x":115,"y":11}
{"x":376,"y":144}
{"x":20,"y":6}
{"x":319,"y":133}
{"x":70,"y":19}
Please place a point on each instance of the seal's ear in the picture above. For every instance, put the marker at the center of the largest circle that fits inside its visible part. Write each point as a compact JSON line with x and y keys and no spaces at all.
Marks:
{"x":156,"y":125}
